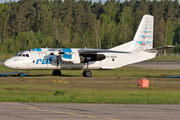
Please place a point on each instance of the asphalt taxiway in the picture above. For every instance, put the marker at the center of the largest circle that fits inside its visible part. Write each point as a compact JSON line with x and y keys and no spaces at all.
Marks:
{"x":72,"y":111}
{"x":158,"y":64}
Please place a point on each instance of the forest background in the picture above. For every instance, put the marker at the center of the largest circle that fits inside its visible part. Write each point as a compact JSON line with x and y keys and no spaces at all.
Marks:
{"x":80,"y":24}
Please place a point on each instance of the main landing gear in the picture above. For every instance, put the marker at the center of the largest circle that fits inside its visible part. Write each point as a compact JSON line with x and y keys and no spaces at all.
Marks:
{"x":87,"y":73}
{"x":56,"y":72}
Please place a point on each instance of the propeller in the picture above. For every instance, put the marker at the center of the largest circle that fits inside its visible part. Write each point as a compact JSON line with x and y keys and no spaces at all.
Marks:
{"x":57,"y":58}
{"x":57,"y":54}
{"x":57,"y":43}
{"x":27,"y":44}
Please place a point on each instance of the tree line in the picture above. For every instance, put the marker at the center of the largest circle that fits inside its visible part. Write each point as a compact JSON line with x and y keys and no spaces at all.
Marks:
{"x":82,"y":23}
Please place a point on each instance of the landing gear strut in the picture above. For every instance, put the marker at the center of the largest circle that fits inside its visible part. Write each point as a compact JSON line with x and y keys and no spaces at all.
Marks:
{"x":20,"y":74}
{"x":87,"y":73}
{"x":56,"y":72}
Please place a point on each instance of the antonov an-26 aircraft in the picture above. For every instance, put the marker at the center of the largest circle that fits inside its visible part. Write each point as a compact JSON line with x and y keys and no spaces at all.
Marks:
{"x":139,"y":49}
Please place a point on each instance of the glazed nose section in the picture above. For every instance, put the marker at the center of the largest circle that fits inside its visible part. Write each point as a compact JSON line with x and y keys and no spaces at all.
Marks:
{"x":9,"y":63}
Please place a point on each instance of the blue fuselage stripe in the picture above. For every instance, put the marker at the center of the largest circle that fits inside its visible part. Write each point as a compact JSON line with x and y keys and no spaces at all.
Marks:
{"x":68,"y":53}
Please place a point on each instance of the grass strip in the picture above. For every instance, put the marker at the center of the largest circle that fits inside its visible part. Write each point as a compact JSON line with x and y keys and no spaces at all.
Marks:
{"x":77,"y":92}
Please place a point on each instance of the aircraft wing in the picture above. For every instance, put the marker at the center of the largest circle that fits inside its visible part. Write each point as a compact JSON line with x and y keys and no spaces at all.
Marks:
{"x":160,"y":48}
{"x":87,"y":51}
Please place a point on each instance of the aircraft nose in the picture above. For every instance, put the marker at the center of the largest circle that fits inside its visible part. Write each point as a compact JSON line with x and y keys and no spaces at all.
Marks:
{"x":9,"y":63}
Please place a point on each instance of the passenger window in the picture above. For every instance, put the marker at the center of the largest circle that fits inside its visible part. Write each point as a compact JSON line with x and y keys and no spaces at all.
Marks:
{"x":23,"y":55}
{"x":27,"y":55}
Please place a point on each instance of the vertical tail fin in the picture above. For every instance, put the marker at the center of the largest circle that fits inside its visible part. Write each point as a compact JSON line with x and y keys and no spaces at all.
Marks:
{"x":143,"y":38}
{"x":144,"y":34}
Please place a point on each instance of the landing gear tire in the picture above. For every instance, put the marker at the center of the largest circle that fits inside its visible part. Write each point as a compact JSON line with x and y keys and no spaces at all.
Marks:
{"x":21,"y":74}
{"x":56,"y":72}
{"x":87,"y":73}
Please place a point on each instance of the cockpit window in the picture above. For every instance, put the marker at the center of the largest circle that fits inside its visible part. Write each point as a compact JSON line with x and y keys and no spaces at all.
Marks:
{"x":22,"y":55}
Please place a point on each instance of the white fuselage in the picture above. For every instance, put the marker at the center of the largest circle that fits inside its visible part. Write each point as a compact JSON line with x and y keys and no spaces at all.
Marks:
{"x":34,"y":60}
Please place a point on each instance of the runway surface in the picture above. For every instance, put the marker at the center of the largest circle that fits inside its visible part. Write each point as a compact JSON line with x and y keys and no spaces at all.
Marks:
{"x":62,"y":111}
{"x":158,"y":64}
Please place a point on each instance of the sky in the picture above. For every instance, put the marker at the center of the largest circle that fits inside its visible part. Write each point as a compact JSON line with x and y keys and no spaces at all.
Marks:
{"x":3,"y":1}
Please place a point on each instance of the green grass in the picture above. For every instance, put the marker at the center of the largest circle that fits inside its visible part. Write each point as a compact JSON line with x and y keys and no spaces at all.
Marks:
{"x":75,"y":92}
{"x":5,"y":56}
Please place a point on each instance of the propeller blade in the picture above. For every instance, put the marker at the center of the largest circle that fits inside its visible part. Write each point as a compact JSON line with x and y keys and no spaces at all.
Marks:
{"x":27,"y":44}
{"x":57,"y":43}
{"x":57,"y":60}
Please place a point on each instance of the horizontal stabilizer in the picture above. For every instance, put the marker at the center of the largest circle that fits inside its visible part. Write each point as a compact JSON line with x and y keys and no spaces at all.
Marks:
{"x":157,"y":49}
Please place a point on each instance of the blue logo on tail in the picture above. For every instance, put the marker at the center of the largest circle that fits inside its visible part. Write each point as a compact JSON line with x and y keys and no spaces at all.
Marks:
{"x":143,"y":43}
{"x":145,"y":36}
{"x":146,"y":31}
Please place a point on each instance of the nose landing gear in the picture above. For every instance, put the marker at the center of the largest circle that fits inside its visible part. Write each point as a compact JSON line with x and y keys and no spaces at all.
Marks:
{"x":21,"y":74}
